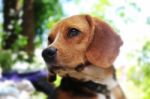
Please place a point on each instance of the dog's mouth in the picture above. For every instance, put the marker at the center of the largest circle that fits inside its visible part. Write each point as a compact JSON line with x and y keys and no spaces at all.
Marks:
{"x":61,"y":71}
{"x":53,"y":68}
{"x":86,"y":73}
{"x":53,"y":71}
{"x":57,"y":70}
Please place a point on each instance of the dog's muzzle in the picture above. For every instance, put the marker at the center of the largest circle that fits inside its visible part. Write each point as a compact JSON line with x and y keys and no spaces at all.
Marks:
{"x":49,"y":54}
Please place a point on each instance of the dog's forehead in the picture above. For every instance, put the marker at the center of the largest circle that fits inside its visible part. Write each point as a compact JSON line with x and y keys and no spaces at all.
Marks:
{"x":75,"y":20}
{"x":78,"y":22}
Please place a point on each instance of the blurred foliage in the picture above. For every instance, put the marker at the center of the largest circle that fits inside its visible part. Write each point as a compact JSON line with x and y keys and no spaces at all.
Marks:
{"x":46,"y":13}
{"x":148,"y":20}
{"x":1,"y":35}
{"x":100,"y":8}
{"x":19,"y":43}
{"x":139,"y":73}
{"x":6,"y":60}
{"x":10,"y":56}
{"x":103,"y":10}
{"x":39,"y":95}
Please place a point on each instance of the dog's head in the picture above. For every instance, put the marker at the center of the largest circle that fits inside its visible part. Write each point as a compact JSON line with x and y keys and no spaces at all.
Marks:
{"x":80,"y":39}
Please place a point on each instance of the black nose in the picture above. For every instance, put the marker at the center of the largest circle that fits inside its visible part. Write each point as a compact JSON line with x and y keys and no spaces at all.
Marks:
{"x":49,"y":54}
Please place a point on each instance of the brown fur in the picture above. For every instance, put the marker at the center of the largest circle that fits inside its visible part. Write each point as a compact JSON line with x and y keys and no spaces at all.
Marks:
{"x":97,"y":43}
{"x":105,"y":45}
{"x":103,"y":48}
{"x":78,"y":44}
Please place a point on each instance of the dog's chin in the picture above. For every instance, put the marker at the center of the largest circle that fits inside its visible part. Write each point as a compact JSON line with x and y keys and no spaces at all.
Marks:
{"x":53,"y":68}
{"x":56,"y":68}
{"x":64,"y":71}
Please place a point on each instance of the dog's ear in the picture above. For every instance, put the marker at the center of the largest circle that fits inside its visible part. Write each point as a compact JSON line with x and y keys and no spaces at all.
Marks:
{"x":104,"y":46}
{"x":90,"y":22}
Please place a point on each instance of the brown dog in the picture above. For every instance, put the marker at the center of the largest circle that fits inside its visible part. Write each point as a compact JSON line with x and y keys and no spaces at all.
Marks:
{"x":81,"y":50}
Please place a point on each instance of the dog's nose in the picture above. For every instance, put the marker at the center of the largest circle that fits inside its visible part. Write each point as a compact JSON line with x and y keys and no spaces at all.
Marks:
{"x":49,"y":54}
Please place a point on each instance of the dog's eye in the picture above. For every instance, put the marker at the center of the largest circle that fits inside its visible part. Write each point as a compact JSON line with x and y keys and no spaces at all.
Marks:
{"x":50,"y":40}
{"x":73,"y":32}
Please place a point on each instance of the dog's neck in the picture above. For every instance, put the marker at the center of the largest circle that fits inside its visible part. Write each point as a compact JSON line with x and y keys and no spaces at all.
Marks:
{"x":75,"y":87}
{"x":76,"y":82}
{"x":84,"y":88}
{"x":92,"y":73}
{"x":97,"y":75}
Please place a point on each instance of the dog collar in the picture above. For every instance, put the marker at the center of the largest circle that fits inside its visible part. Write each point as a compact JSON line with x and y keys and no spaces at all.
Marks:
{"x":69,"y":83}
{"x":99,"y":88}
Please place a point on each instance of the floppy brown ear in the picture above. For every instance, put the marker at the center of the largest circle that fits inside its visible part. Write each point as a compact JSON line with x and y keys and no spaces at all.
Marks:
{"x":104,"y":46}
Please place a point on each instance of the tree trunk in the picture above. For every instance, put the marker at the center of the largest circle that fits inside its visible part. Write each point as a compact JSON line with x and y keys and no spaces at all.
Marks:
{"x":10,"y":16}
{"x":28,"y":27}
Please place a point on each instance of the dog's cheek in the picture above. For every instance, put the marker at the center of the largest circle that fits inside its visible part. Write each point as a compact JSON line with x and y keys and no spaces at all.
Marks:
{"x":70,"y":56}
{"x":79,"y":57}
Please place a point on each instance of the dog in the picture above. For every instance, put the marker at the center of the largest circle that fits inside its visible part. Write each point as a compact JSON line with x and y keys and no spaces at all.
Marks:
{"x":82,"y":49}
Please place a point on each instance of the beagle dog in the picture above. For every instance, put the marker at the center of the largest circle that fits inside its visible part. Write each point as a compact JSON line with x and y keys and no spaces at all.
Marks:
{"x":81,"y":49}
